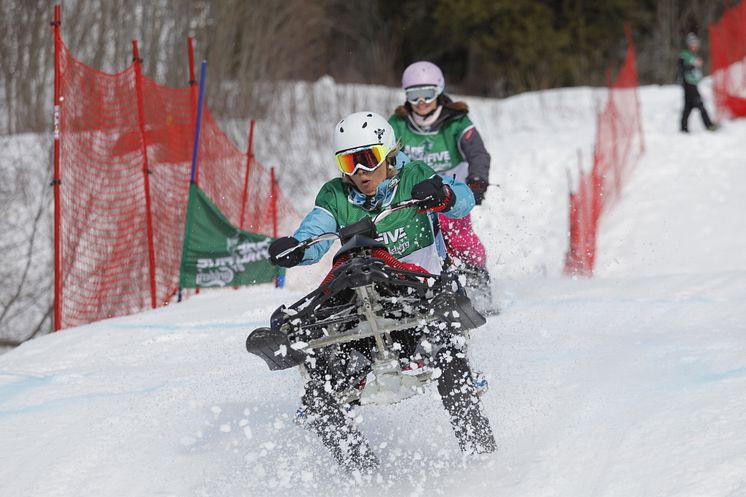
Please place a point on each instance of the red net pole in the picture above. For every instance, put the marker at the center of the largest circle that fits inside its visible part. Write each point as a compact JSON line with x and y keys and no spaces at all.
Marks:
{"x":631,"y":55}
{"x":273,"y":199}
{"x":192,"y":78}
{"x":571,"y":258}
{"x":145,"y":171}
{"x":56,"y":180}
{"x":249,"y":158}
{"x":274,"y":202}
{"x":194,"y":88}
{"x":192,"y":81}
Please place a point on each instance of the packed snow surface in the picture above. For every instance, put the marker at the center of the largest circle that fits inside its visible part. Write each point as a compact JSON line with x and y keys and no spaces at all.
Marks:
{"x":632,"y":383}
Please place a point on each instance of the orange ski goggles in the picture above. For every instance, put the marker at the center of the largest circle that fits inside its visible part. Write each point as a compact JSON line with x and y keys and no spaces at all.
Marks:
{"x":367,"y":159}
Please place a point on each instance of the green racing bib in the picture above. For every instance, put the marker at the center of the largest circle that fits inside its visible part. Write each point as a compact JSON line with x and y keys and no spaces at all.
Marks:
{"x":407,"y":234}
{"x":438,"y":149}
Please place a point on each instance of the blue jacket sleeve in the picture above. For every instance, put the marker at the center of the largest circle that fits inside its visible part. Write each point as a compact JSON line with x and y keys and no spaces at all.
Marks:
{"x":316,"y":222}
{"x":464,"y":198}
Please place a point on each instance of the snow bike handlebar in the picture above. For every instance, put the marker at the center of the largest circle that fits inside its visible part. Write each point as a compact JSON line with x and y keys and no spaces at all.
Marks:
{"x":404,"y":204}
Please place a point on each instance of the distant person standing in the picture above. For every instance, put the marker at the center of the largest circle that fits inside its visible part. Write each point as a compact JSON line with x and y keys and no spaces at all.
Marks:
{"x":690,"y":74}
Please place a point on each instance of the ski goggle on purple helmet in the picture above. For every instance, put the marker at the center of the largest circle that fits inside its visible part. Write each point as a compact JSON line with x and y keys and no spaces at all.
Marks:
{"x":422,"y":82}
{"x":418,"y":94}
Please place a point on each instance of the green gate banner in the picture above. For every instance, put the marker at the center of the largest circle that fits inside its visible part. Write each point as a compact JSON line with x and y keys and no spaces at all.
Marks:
{"x":216,"y":253}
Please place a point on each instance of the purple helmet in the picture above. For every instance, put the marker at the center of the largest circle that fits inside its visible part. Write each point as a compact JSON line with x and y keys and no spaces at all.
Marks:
{"x":423,"y":73}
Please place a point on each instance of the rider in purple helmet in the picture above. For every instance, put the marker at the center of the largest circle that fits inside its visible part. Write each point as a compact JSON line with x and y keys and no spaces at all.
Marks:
{"x":433,"y":128}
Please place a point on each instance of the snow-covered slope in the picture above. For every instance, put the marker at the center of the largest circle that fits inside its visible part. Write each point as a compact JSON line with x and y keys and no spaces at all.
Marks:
{"x":629,"y":384}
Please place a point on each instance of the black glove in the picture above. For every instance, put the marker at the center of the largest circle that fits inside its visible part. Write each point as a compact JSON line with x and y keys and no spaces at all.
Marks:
{"x":479,"y":187}
{"x":281,"y":245}
{"x":435,"y":196}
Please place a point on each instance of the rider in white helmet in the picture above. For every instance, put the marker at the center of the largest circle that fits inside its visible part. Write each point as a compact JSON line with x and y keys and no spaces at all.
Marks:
{"x":372,"y":175}
{"x":434,"y":129}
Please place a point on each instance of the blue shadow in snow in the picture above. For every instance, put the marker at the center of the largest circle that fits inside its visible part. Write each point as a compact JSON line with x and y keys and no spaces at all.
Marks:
{"x":724,"y":375}
{"x":21,"y":385}
{"x":27,"y":382}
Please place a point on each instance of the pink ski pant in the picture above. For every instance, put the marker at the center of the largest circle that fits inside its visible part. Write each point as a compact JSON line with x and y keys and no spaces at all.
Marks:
{"x":462,"y":242}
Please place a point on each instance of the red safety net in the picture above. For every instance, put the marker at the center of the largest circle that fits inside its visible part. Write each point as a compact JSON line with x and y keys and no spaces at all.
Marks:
{"x":728,"y":56}
{"x":122,"y":179}
{"x":619,"y":145}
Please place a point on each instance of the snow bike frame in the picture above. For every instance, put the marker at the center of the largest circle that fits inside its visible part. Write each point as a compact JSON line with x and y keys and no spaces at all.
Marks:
{"x":389,"y":296}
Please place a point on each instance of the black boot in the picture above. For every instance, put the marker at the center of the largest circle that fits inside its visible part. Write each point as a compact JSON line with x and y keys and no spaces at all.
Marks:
{"x":459,"y":396}
{"x":326,"y":418}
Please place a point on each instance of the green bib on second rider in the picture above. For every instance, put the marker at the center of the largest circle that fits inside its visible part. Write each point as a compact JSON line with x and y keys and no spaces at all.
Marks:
{"x":438,"y":149}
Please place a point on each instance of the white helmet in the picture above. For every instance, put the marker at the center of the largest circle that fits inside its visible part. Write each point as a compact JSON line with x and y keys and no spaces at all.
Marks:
{"x":363,"y":129}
